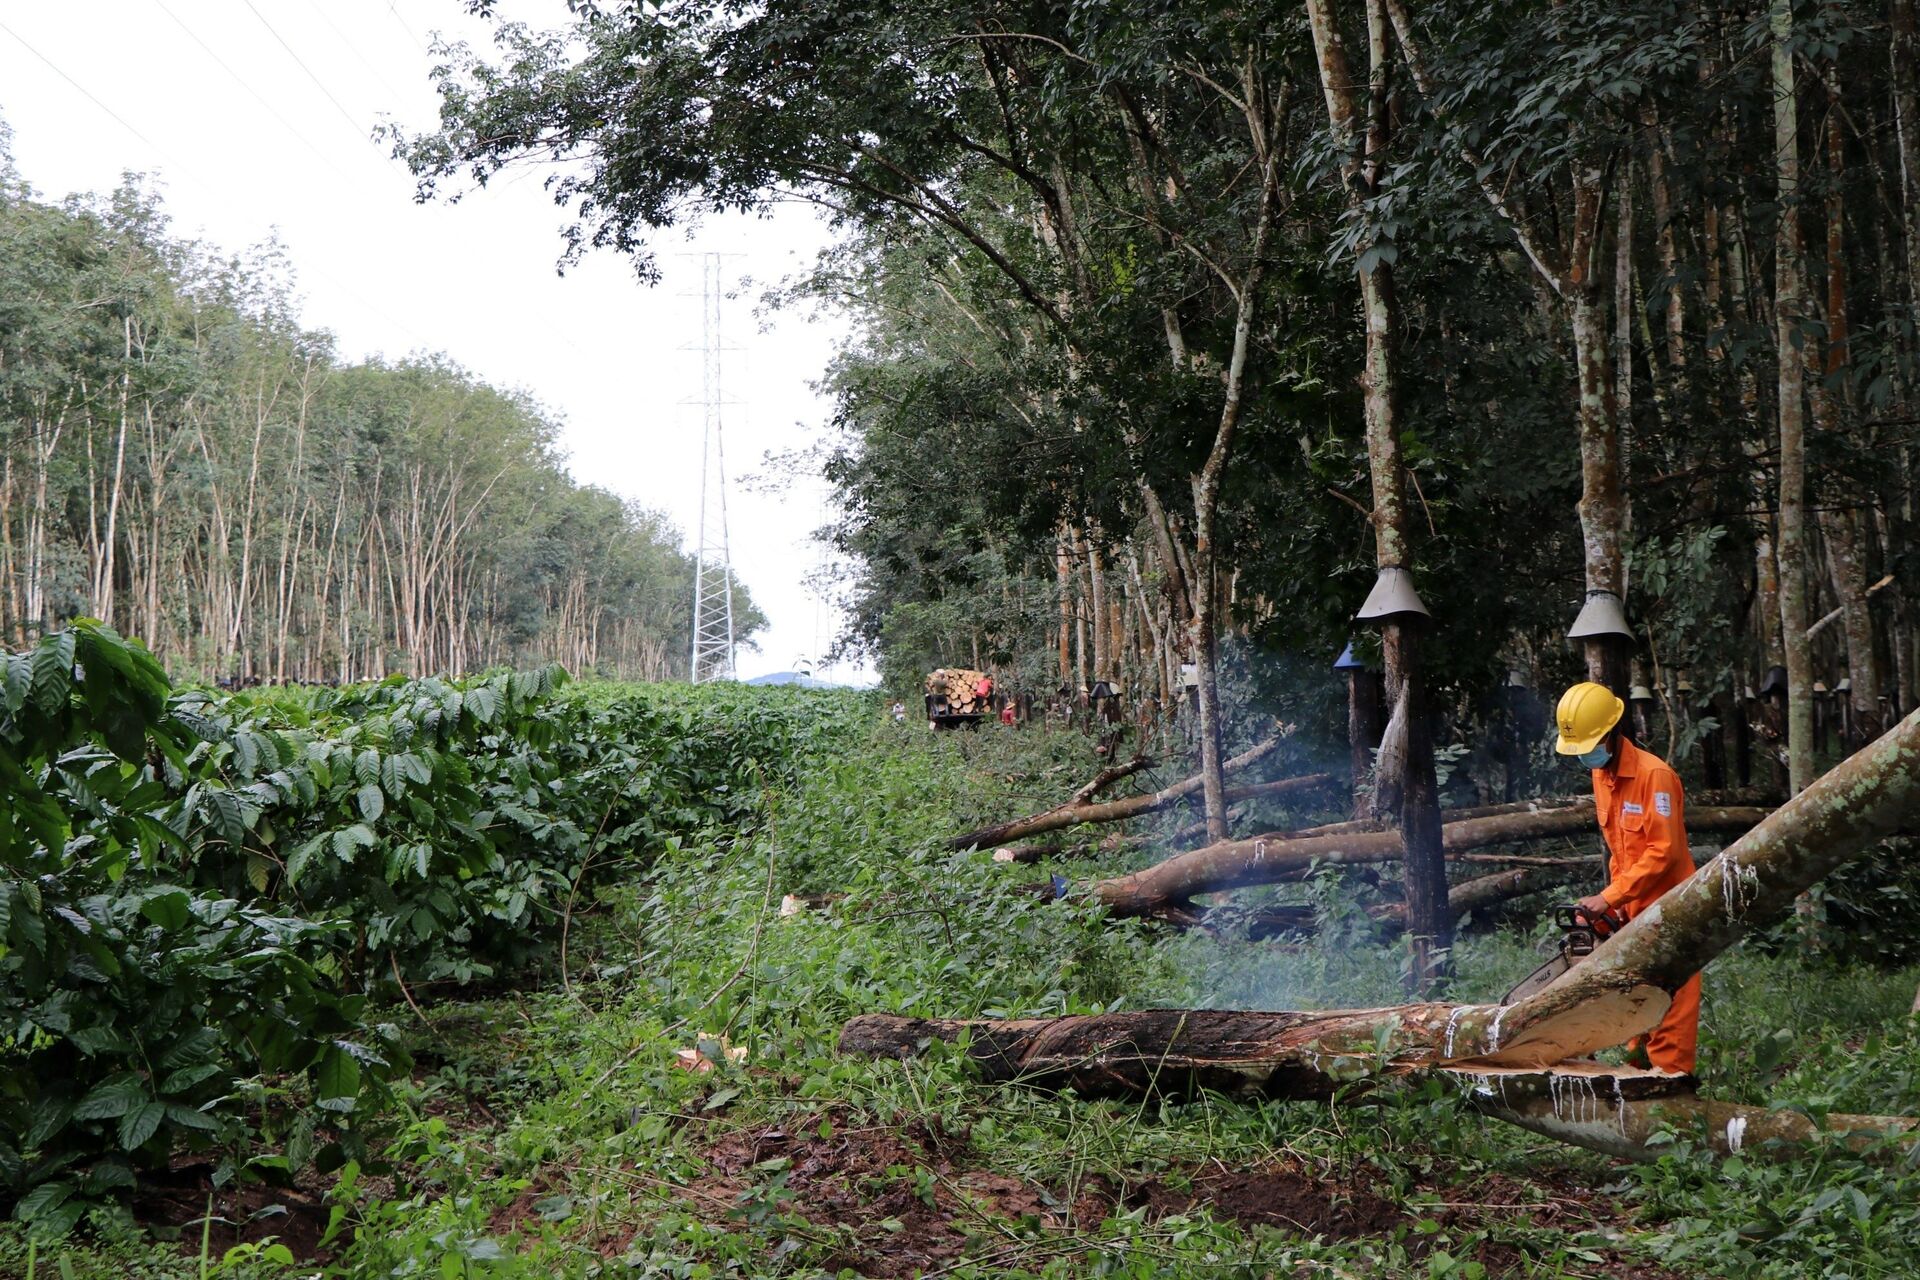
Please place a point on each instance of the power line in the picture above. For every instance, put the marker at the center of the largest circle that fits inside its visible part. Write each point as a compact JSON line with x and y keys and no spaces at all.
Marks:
{"x":418,"y":42}
{"x":207,"y":187}
{"x":317,"y":83}
{"x":80,"y":87}
{"x":354,"y":49}
{"x":285,"y":123}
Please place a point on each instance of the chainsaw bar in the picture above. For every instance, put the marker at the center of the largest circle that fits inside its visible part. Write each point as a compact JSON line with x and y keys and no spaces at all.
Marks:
{"x":1538,"y":979}
{"x":1583,"y":931}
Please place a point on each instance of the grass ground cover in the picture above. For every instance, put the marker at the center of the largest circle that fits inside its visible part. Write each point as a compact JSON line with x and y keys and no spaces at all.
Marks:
{"x":554,"y":1129}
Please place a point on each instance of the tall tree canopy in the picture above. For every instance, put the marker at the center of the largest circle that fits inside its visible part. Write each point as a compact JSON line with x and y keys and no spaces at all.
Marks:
{"x":180,"y":458}
{"x":1175,"y":322}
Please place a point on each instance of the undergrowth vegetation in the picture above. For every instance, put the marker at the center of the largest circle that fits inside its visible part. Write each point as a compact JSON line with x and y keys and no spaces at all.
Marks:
{"x":205,"y":896}
{"x":667,"y":1101}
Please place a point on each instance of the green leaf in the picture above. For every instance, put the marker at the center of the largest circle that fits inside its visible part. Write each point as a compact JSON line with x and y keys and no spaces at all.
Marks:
{"x":139,"y":1125}
{"x":16,"y":680}
{"x":337,"y":1075}
{"x":113,"y":1098}
{"x":53,"y":672}
{"x":48,"y":1195}
{"x":372,"y":803}
{"x":167,"y":906}
{"x":222,"y":811}
{"x":349,"y":840}
{"x":191,"y":1118}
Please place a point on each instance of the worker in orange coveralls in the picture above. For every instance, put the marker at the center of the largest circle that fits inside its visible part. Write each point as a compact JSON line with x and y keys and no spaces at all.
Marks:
{"x":1643,"y":817}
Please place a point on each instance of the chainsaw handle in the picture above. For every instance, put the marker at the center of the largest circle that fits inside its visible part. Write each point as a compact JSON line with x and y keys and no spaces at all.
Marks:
{"x":1574,"y":916}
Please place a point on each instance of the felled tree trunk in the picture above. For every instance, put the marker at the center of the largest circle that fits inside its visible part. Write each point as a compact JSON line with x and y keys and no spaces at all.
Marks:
{"x":1618,"y":1111}
{"x":1873,"y":793}
{"x":1237,"y":863}
{"x":1469,"y":895}
{"x":1082,"y":808}
{"x":1623,"y":989}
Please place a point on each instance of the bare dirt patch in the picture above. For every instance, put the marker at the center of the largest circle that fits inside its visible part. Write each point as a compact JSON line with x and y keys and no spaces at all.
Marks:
{"x":182,"y":1202}
{"x":905,"y":1200}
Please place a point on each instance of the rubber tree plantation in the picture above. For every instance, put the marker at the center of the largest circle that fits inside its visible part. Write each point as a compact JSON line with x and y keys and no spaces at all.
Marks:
{"x":1387,"y":536}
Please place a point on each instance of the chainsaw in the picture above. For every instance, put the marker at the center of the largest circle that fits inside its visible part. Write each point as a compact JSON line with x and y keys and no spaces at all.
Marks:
{"x":1581,"y":931}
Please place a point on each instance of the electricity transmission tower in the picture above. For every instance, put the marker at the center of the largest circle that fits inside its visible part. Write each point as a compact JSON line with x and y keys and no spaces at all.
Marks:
{"x":713,"y":571}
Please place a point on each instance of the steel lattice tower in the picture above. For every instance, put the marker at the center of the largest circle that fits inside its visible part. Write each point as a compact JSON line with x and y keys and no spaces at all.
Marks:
{"x":713,"y":571}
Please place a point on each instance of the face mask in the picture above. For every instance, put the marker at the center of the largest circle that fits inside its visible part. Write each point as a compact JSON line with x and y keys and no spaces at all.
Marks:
{"x":1596,"y":758}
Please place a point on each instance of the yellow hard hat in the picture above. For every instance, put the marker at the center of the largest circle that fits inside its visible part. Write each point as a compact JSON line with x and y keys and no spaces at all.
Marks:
{"x":1586,"y":714}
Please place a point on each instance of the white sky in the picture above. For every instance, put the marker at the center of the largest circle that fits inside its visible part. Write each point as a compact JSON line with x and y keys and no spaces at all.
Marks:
{"x":276,"y":142}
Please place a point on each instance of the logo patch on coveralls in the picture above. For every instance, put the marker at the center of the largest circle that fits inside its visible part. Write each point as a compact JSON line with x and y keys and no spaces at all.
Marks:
{"x":1663,"y":803}
{"x":1628,"y":806}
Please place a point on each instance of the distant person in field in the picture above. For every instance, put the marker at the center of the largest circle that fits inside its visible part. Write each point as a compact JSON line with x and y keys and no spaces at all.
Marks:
{"x":982,"y":692}
{"x":1006,"y":713}
{"x":1642,"y":814}
{"x":899,"y":713}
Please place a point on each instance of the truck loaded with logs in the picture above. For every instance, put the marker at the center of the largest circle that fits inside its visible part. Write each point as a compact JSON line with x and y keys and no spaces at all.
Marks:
{"x":958,"y":698}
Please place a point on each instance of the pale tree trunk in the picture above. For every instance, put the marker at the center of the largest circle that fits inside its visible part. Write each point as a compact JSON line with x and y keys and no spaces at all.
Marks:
{"x":1205,"y":627}
{"x":1406,"y":789}
{"x":103,"y":592}
{"x":1576,"y":281}
{"x":1789,"y":307}
{"x":1103,"y":658}
{"x":1620,"y":991}
{"x":1063,"y":584}
{"x":1840,"y":525}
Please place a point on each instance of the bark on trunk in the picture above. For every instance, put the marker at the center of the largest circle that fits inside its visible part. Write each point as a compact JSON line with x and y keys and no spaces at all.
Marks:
{"x":1405,"y":788}
{"x":1620,"y":991}
{"x":1789,"y":305}
{"x":1077,"y":811}
{"x":1239,"y":863}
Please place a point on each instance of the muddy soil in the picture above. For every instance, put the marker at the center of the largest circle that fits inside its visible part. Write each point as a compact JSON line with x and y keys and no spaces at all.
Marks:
{"x":182,"y":1203}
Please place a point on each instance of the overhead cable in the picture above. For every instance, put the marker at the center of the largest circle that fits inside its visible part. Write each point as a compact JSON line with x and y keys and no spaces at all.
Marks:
{"x":301,"y":63}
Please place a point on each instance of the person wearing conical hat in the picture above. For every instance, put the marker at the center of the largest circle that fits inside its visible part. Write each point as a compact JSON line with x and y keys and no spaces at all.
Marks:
{"x":1642,"y":813}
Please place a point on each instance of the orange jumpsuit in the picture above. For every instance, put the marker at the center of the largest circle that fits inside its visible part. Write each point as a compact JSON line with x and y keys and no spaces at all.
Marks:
{"x":1642,"y":816}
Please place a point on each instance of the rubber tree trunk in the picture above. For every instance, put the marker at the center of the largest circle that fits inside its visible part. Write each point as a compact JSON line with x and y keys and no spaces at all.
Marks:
{"x":1620,"y":1112}
{"x":1236,"y":864}
{"x":1602,"y":505}
{"x":1406,"y":792}
{"x":1840,"y":524}
{"x":1429,"y":922}
{"x":1789,"y":308}
{"x":1619,"y":992}
{"x":1363,"y":735}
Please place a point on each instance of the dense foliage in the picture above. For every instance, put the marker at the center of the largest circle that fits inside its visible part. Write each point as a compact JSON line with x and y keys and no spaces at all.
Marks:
{"x":202,"y":892}
{"x":547,"y":1134}
{"x":1606,"y":305}
{"x":181,"y":458}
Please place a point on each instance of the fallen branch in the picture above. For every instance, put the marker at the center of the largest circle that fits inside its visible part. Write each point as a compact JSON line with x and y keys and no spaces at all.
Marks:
{"x":1623,"y":989}
{"x":1235,"y":864}
{"x":1285,"y":919}
{"x":1110,"y":775}
{"x":1076,"y":811}
{"x":1618,"y":1111}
